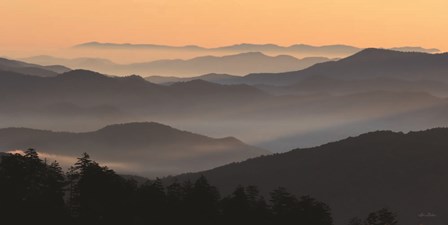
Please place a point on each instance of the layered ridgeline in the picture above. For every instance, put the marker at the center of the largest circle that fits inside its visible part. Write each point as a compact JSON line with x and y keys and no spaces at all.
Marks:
{"x":50,"y":70}
{"x":376,"y":63}
{"x":366,"y":64}
{"x":370,"y":70}
{"x":405,"y":172}
{"x":148,"y":149}
{"x":211,"y":77}
{"x":302,"y":49}
{"x":239,"y":64}
{"x":82,"y":100}
{"x":298,"y":50}
{"x":366,"y":71}
{"x":86,"y":97}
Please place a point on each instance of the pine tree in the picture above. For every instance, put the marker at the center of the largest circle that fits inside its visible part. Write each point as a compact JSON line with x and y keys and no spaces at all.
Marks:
{"x":382,"y":217}
{"x":33,"y":187}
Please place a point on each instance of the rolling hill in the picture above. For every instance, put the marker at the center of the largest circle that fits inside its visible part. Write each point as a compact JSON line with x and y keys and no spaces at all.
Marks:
{"x":31,"y":69}
{"x":149,"y":149}
{"x":212,"y":77}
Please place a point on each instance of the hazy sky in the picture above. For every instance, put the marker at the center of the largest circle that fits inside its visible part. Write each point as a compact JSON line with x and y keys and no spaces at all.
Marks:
{"x":39,"y":24}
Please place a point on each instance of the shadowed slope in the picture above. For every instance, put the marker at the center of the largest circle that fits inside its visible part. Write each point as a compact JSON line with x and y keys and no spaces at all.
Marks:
{"x":406,"y":172}
{"x":149,"y":149}
{"x":31,"y":69}
{"x":367,"y":64}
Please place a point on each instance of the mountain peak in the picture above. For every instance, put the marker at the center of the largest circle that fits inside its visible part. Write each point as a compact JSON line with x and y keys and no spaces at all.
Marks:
{"x":194,"y":83}
{"x":135,"y":126}
{"x":82,"y":74}
{"x":376,"y":51}
{"x":134,"y":77}
{"x":380,"y":53}
{"x":87,"y":44}
{"x":145,"y":148}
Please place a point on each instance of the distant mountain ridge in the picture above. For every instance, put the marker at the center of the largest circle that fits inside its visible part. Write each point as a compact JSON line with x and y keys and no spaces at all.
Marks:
{"x":95,"y":44}
{"x":303,"y":108}
{"x":83,"y":100}
{"x":405,"y":172}
{"x":151,"y":149}
{"x":212,"y":77}
{"x":238,"y":64}
{"x":366,"y":64}
{"x":89,"y":97}
{"x":32,"y":69}
{"x":245,"y":47}
{"x":71,"y":83}
{"x":75,"y":62}
{"x":416,"y":49}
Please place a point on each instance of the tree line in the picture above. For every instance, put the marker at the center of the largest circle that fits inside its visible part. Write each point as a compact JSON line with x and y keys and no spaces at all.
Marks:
{"x":33,"y":191}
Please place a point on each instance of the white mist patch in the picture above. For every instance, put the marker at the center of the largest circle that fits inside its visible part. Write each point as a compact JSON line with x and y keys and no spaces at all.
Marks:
{"x":65,"y":161}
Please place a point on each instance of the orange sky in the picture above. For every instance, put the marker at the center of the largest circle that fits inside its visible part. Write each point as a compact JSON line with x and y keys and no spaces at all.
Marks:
{"x":39,"y":24}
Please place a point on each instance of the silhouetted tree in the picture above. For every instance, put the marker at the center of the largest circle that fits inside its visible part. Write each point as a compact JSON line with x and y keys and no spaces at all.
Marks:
{"x":313,"y":212}
{"x":355,"y":221}
{"x":175,"y":200}
{"x":284,"y":206}
{"x":237,"y":208}
{"x":245,"y":206}
{"x":381,"y":217}
{"x":97,"y":194}
{"x":151,"y":202}
{"x":31,"y":187}
{"x":202,"y":201}
{"x":287,"y":209}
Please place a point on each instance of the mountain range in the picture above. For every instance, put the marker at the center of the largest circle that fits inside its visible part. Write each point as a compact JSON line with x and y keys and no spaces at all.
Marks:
{"x":325,"y":51}
{"x":79,"y":99}
{"x":75,"y":63}
{"x":149,"y":149}
{"x":403,"y":171}
{"x":366,"y":64}
{"x":370,"y":69}
{"x":309,"y":109}
{"x":211,"y":77}
{"x":373,"y":89}
{"x":32,"y":69}
{"x":239,"y":64}
{"x":90,"y":88}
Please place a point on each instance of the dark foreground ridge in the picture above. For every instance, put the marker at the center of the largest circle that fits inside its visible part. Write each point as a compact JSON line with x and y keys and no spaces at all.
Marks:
{"x":354,"y":176}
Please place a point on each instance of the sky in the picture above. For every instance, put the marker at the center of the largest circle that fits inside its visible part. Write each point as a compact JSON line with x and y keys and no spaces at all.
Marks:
{"x":45,"y":24}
